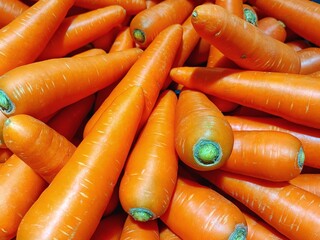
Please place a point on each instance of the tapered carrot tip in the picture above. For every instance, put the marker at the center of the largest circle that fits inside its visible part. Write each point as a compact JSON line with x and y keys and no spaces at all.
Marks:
{"x":301,"y":158}
{"x":141,"y":214}
{"x":6,"y":105}
{"x":240,"y":233}
{"x":139,"y":36}
{"x":207,"y":152}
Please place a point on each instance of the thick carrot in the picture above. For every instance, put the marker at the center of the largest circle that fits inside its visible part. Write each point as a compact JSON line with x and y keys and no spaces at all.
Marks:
{"x":123,"y":40}
{"x":20,"y":187}
{"x":151,"y":170}
{"x":309,"y":137}
{"x":31,"y":31}
{"x":294,"y":97}
{"x":290,"y":13}
{"x":308,"y":181}
{"x":147,"y":24}
{"x":273,"y":27}
{"x":291,"y":210}
{"x":207,"y":213}
{"x":75,"y":200}
{"x":150,"y":72}
{"x":243,"y":42}
{"x":310,"y":60}
{"x":10,"y":9}
{"x":133,"y":229}
{"x":63,"y":81}
{"x":78,"y":30}
{"x":90,"y":52}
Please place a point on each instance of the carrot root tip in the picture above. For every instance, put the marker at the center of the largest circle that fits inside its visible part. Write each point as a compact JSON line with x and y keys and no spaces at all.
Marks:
{"x":6,"y":105}
{"x":141,"y":214}
{"x":207,"y":152}
{"x":240,"y":232}
{"x":139,"y":36}
{"x":301,"y":158}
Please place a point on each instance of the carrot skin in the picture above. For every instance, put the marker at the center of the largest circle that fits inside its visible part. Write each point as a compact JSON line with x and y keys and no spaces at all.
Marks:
{"x":308,"y":181}
{"x":10,"y":9}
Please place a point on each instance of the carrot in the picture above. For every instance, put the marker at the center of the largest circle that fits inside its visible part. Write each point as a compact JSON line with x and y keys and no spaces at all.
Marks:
{"x":151,"y":3}
{"x":75,"y":200}
{"x":308,"y":181}
{"x":310,"y":60}
{"x":249,"y":112}
{"x":113,"y":203}
{"x":3,"y":118}
{"x":255,"y":51}
{"x":290,"y":13}
{"x":31,"y":31}
{"x":90,"y":52}
{"x":207,"y":213}
{"x":105,"y":42}
{"x":273,"y":27}
{"x":10,"y":9}
{"x":5,"y":153}
{"x":123,"y":40}
{"x":165,"y":233}
{"x":223,"y":105}
{"x":233,"y":6}
{"x":147,"y":24}
{"x":298,"y":44}
{"x":64,"y":81}
{"x":149,"y":71}
{"x":249,"y":14}
{"x":292,"y":211}
{"x":199,"y":54}
{"x":203,"y":137}
{"x":133,"y":229}
{"x":294,"y":97}
{"x":271,"y":155}
{"x":20,"y":186}
{"x":151,"y":170}
{"x":309,"y":137}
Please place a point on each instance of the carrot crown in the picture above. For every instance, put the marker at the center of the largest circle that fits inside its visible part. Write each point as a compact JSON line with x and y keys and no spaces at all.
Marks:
{"x":207,"y":152}
{"x":6,"y":105}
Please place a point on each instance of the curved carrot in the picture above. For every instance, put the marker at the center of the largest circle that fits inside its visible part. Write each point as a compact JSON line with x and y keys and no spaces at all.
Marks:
{"x":292,"y":211}
{"x":88,"y":177}
{"x":5,"y":154}
{"x":207,"y":213}
{"x":309,"y":137}
{"x":273,"y":27}
{"x":31,"y":31}
{"x":64,"y":81}
{"x":20,"y":187}
{"x":10,"y":9}
{"x":147,"y":24}
{"x":271,"y":155}
{"x":260,"y":90}
{"x":152,"y":167}
{"x":290,"y":13}
{"x":149,"y":71}
{"x":203,"y":137}
{"x":133,"y":229}
{"x":310,"y":60}
{"x":255,"y":51}
{"x":308,"y":181}
{"x":249,"y":14}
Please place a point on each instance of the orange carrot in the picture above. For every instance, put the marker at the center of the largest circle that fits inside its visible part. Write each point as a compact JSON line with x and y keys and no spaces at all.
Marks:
{"x":223,"y":105}
{"x":298,"y":44}
{"x":123,"y":40}
{"x":206,"y":212}
{"x":151,"y":170}
{"x":133,"y":229}
{"x":294,"y":97}
{"x":199,"y":54}
{"x":292,"y":211}
{"x":273,"y":27}
{"x":105,"y":42}
{"x":5,"y":153}
{"x":64,"y":81}
{"x":203,"y":137}
{"x":149,"y":71}
{"x":31,"y":31}
{"x":310,"y":60}
{"x":165,"y":233}
{"x":255,"y":51}
{"x":308,"y":181}
{"x":76,"y":198}
{"x":113,"y":202}
{"x":3,"y":118}
{"x":10,"y":9}
{"x":151,"y":3}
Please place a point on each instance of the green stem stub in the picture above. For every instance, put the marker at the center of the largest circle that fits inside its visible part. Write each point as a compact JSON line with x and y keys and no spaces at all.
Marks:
{"x":250,"y":16}
{"x":240,"y":232}
{"x":6,"y":105}
{"x":141,"y":214}
{"x":207,"y":152}
{"x":301,"y":158}
{"x":139,"y":36}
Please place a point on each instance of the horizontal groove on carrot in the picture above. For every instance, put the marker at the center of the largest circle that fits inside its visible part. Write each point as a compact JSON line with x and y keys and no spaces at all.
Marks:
{"x":301,"y":158}
{"x":207,"y":152}
{"x":6,"y":105}
{"x":240,"y":233}
{"x":141,"y":214}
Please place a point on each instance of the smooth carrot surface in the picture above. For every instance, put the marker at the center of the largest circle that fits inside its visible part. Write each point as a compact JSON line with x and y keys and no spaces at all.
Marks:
{"x":10,"y":9}
{"x":308,"y":181}
{"x":243,"y":42}
{"x":75,"y":200}
{"x":310,"y":60}
{"x":165,"y":233}
{"x":273,"y":27}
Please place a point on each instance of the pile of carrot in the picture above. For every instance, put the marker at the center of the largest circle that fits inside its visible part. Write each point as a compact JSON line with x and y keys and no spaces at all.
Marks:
{"x":159,"y":119}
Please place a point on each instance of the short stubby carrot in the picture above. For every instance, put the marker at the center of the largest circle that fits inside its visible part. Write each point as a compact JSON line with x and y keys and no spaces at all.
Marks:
{"x":242,"y":42}
{"x":203,"y":137}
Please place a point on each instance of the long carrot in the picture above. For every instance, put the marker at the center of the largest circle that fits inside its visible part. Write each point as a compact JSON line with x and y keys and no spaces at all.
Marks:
{"x":10,"y":9}
{"x":75,"y":200}
{"x":147,"y":24}
{"x":78,"y":30}
{"x":203,"y":137}
{"x":291,"y":210}
{"x":294,"y":97}
{"x":271,"y":155}
{"x":150,"y":72}
{"x":63,"y":81}
{"x":310,"y":60}
{"x":273,"y":27}
{"x":290,"y":13}
{"x":207,"y":213}
{"x":151,"y":170}
{"x":309,"y":137}
{"x":308,"y":181}
{"x":31,"y":31}
{"x":242,"y":42}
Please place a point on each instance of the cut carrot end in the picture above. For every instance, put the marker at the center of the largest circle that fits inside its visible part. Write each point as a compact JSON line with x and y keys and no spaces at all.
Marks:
{"x":139,"y":36}
{"x":301,"y":158}
{"x":250,"y":16}
{"x":240,"y":233}
{"x":207,"y":152}
{"x":6,"y":105}
{"x":194,"y":14}
{"x":141,"y":214}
